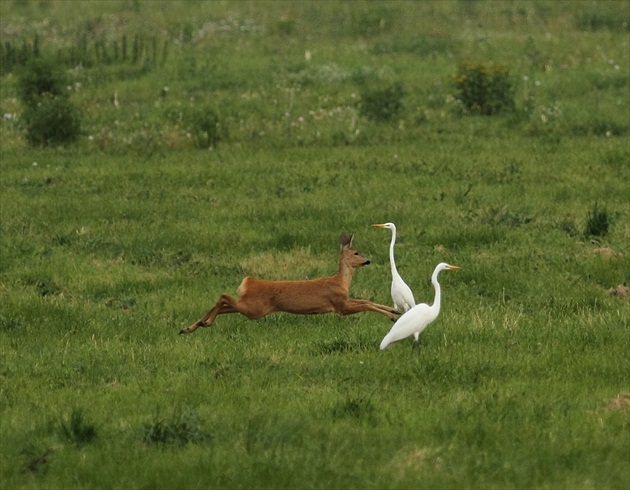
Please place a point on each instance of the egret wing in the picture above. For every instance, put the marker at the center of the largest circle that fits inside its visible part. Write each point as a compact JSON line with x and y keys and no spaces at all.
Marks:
{"x":402,"y":295}
{"x":415,"y":320}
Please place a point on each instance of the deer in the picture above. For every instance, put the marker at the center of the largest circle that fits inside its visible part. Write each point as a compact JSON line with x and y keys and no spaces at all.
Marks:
{"x":258,"y":297}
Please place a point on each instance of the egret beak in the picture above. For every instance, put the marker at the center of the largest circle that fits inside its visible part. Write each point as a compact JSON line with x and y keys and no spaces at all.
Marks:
{"x":379,"y":226}
{"x":453,"y":268}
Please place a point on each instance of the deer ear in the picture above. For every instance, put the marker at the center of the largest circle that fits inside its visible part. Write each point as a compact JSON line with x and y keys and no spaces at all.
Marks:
{"x":345,"y":241}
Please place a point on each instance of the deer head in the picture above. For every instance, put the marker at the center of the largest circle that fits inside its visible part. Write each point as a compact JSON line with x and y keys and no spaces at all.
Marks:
{"x":351,"y":256}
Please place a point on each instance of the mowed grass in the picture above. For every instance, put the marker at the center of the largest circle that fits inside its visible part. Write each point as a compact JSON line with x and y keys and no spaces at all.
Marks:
{"x":108,"y":248}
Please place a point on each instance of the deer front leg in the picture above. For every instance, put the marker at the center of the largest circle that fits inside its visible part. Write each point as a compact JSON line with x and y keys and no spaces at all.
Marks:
{"x":226,"y":304}
{"x":353,"y":306}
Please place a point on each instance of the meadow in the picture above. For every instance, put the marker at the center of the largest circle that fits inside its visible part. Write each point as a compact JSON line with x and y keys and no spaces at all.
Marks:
{"x":225,"y":139}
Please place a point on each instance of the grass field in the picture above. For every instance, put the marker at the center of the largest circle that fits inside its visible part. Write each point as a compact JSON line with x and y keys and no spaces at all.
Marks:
{"x":112,"y":244}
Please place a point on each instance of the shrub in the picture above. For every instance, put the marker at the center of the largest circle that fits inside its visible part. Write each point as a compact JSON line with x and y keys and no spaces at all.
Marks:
{"x":484,"y":89}
{"x":49,"y":117}
{"x":382,"y":104}
{"x":204,"y":127}
{"x":40,"y":78}
{"x":52,"y":120}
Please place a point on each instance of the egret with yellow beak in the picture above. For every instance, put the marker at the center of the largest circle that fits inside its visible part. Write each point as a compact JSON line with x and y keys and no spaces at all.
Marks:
{"x":414,"y":321}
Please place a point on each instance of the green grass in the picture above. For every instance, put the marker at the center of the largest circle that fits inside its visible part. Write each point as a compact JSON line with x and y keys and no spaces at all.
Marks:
{"x":110,"y":246}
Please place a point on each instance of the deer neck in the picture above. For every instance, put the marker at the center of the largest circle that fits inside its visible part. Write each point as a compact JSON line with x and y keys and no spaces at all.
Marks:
{"x":344,"y":275}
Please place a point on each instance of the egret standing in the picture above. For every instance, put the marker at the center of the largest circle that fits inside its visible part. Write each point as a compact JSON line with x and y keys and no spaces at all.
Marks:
{"x":414,"y":321}
{"x":401,"y":293}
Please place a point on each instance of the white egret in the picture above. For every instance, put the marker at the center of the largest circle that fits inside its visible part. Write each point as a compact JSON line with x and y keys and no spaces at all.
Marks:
{"x":401,"y":293}
{"x":414,"y":321}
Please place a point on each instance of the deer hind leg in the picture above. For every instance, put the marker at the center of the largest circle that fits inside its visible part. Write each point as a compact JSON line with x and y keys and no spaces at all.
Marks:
{"x":226,"y":304}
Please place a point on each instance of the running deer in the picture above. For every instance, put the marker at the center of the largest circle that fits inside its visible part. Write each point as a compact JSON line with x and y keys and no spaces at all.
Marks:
{"x":257,"y":297}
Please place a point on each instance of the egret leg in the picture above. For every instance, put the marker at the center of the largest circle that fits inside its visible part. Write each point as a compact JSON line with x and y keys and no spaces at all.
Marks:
{"x":416,"y":343}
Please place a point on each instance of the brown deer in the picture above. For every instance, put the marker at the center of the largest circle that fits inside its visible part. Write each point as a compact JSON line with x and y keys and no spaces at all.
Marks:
{"x":258,"y":297}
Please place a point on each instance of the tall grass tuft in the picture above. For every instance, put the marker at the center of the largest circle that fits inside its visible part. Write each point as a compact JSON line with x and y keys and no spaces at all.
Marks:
{"x":598,"y":222}
{"x":355,"y":408}
{"x":77,"y":429}
{"x":180,"y":430}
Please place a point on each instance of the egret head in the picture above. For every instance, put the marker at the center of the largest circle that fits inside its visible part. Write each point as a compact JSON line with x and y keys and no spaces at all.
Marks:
{"x":443,"y":266}
{"x":389,"y":226}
